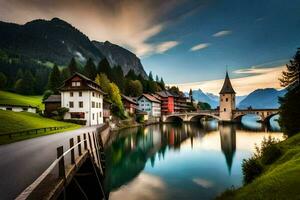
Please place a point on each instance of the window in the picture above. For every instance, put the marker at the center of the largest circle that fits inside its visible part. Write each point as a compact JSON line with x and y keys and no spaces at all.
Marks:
{"x":224,"y":109}
{"x":93,"y":116}
{"x":77,"y":115}
{"x":80,"y":104}
{"x":71,"y":94}
{"x":76,"y":83}
{"x":25,"y":109}
{"x":96,"y":104}
{"x":80,"y":94}
{"x":93,"y":94}
{"x":71,"y":104}
{"x":221,"y":99}
{"x":93,"y":104}
{"x":8,"y":108}
{"x":226,"y":99}
{"x":99,"y":114}
{"x":99,"y":105}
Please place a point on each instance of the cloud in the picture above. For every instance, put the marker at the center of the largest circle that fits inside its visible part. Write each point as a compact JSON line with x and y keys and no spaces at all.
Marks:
{"x":222,"y":33}
{"x":165,"y":46}
{"x":259,"y":78}
{"x":128,"y":23}
{"x":203,"y":182}
{"x":200,"y":46}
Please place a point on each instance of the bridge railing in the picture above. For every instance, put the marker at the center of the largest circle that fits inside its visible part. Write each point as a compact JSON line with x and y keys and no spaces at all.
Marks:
{"x":58,"y":171}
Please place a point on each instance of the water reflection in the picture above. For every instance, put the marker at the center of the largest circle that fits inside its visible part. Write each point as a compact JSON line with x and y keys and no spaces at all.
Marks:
{"x":187,"y":161}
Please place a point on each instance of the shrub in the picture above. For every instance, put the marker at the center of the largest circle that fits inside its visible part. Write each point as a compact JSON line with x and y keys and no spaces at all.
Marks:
{"x":140,"y":118}
{"x":252,"y":168}
{"x":271,"y":154}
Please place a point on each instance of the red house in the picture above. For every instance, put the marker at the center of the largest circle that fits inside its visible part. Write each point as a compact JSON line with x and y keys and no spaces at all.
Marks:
{"x":167,"y":102}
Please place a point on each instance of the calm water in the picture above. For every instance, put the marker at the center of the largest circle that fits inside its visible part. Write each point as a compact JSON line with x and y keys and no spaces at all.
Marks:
{"x":188,"y":161}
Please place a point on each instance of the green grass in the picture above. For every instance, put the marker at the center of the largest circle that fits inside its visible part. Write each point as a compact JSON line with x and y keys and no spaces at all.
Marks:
{"x":19,"y":121}
{"x":280,"y":180}
{"x":22,"y":100}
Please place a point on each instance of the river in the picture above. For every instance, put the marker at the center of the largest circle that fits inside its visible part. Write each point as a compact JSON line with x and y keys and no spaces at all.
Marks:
{"x":181,"y":161}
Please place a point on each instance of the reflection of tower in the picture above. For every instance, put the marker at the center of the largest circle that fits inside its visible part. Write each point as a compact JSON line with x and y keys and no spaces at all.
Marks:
{"x":228,"y":143}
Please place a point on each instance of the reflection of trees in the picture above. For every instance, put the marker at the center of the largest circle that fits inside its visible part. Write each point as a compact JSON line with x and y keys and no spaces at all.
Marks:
{"x":228,"y":143}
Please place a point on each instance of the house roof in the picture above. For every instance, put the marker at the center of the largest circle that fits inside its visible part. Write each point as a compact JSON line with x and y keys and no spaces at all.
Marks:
{"x":53,"y":99}
{"x":164,"y":93}
{"x":129,"y":99}
{"x":150,"y":98}
{"x":90,"y":83}
{"x":227,"y":87}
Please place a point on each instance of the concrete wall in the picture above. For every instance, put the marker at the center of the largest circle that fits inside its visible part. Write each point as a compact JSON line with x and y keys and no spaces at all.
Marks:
{"x":19,"y":109}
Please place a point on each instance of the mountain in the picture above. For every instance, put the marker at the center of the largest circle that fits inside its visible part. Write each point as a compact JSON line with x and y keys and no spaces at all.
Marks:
{"x":199,"y":95}
{"x":117,"y":55}
{"x":57,"y":41}
{"x":262,"y":98}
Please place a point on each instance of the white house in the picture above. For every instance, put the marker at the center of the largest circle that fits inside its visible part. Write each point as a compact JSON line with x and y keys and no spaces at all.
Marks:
{"x":149,"y":104}
{"x":19,"y":108}
{"x":84,"y":99}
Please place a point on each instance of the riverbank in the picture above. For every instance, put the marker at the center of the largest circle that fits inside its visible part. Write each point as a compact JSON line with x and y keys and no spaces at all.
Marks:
{"x":280,"y":180}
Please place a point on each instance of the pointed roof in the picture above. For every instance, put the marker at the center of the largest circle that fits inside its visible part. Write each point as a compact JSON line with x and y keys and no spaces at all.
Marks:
{"x":227,"y":87}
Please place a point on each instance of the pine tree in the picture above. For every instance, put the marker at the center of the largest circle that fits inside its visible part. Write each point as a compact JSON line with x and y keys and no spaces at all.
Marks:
{"x":156,"y":79}
{"x":3,"y":80}
{"x":73,"y":66}
{"x":54,"y":79}
{"x":89,"y":69}
{"x":131,"y":75}
{"x":104,"y":67}
{"x":150,"y":76}
{"x":291,"y":77}
{"x":25,"y":85}
{"x":118,"y":77}
{"x":289,"y":104}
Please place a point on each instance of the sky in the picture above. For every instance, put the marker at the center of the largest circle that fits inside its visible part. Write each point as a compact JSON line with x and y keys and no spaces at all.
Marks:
{"x":190,"y":43}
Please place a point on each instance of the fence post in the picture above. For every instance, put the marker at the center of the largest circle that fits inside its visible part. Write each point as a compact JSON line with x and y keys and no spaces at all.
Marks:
{"x":85,"y":142}
{"x":79,"y":145}
{"x":91,"y":147}
{"x":61,"y":162}
{"x":72,"y":151}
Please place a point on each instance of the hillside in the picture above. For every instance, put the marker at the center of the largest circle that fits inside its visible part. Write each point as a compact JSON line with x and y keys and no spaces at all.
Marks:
{"x":262,"y":98}
{"x":17,"y":99}
{"x":280,"y":180}
{"x":19,"y":121}
{"x":56,"y":41}
{"x":117,"y":55}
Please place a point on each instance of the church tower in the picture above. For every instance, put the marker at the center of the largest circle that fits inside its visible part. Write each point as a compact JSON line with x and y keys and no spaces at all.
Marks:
{"x":227,"y":100}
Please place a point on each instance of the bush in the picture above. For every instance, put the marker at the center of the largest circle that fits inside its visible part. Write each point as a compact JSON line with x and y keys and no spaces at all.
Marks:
{"x":271,"y":154}
{"x":140,"y":118}
{"x":252,"y":168}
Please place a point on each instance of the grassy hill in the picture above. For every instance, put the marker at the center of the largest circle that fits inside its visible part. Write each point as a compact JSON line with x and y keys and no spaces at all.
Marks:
{"x":19,"y":121}
{"x":280,"y":180}
{"x":17,"y":99}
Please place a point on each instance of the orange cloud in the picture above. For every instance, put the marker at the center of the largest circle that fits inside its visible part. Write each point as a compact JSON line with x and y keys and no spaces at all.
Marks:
{"x":258,"y":78}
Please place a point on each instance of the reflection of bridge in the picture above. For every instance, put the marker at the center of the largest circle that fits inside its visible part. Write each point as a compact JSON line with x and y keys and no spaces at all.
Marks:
{"x":226,"y":112}
{"x":264,"y":114}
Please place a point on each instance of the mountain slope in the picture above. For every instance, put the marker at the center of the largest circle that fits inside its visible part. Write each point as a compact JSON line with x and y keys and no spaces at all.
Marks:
{"x":199,"y":95}
{"x":262,"y":98}
{"x":57,"y":41}
{"x":54,"y":41}
{"x":117,"y":55}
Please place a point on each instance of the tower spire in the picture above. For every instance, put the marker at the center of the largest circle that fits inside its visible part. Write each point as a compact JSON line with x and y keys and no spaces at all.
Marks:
{"x":227,"y":87}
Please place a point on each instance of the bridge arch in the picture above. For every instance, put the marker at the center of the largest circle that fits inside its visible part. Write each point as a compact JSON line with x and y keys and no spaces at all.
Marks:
{"x":174,"y":118}
{"x":197,"y":117}
{"x":264,"y":115}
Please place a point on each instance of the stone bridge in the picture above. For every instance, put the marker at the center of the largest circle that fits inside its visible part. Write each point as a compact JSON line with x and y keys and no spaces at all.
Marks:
{"x":264,"y":114}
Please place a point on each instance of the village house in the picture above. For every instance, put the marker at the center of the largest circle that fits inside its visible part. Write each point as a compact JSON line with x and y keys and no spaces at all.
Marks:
{"x":130,"y":104}
{"x":52,"y":103}
{"x":167,"y":102}
{"x":84,"y":99}
{"x":149,"y":104}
